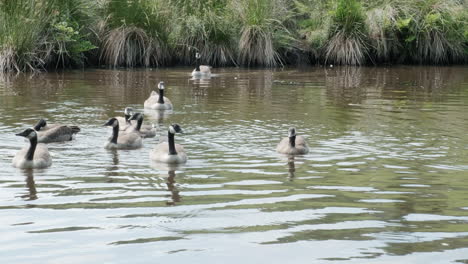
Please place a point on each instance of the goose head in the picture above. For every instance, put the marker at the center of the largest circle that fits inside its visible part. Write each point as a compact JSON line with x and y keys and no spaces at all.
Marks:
{"x":292,"y":132}
{"x":28,"y":133}
{"x":161,"y":85}
{"x":40,"y":124}
{"x":113,"y":122}
{"x":128,"y":111}
{"x":175,"y":128}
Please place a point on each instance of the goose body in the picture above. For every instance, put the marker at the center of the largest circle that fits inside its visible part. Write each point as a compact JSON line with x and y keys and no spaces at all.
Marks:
{"x":158,"y":101}
{"x":129,"y":139}
{"x":145,"y":131}
{"x":201,"y":71}
{"x":293,"y":144}
{"x":54,"y":133}
{"x":33,"y":156}
{"x":169,"y":152}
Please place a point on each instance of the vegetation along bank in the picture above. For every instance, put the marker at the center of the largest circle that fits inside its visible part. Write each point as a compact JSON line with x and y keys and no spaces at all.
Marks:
{"x":42,"y":34}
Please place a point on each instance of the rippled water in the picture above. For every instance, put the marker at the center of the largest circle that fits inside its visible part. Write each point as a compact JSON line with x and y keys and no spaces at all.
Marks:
{"x":386,"y":180}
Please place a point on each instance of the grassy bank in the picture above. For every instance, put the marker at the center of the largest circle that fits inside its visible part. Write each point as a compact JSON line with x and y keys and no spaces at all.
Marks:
{"x":40,"y":34}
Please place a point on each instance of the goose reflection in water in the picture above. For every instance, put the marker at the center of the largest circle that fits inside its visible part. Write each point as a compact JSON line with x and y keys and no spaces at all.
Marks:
{"x":170,"y":181}
{"x":30,"y":184}
{"x":291,"y":168}
{"x":113,"y":169}
{"x":157,"y":115}
{"x":171,"y":186}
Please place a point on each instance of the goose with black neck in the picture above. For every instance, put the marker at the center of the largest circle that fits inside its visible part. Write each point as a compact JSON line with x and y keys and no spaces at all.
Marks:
{"x":201,"y":71}
{"x":169,"y":152}
{"x":157,"y":101}
{"x":145,"y":131}
{"x":128,"y":139}
{"x":292,"y":144}
{"x":36,"y":155}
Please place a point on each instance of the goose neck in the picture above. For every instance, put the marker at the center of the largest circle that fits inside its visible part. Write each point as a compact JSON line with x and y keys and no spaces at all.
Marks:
{"x":161,"y":96}
{"x":115,"y":134}
{"x":197,"y":67}
{"x":292,"y":141}
{"x":32,"y":148}
{"x":139,"y":123}
{"x":171,"y":142}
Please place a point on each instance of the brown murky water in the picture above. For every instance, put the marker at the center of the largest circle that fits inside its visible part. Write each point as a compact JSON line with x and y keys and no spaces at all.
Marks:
{"x":386,"y":180}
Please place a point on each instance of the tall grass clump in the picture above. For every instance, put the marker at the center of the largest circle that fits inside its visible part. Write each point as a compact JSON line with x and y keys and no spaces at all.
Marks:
{"x":203,"y":26}
{"x":22,"y":39}
{"x":347,"y":44}
{"x":136,"y":33}
{"x":264,"y":31}
{"x":434,"y":31}
{"x":314,"y":22}
{"x":381,"y":24}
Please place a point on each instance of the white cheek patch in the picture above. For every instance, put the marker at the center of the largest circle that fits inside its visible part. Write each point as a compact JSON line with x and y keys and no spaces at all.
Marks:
{"x":31,"y":135}
{"x":115,"y":123}
{"x":171,"y":129}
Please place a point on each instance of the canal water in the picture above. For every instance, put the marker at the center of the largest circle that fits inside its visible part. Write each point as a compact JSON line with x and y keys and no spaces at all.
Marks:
{"x":385,"y":181}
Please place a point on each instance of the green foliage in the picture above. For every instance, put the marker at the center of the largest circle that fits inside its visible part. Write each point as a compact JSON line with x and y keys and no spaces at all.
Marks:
{"x":36,"y":34}
{"x":382,"y":24}
{"x":433,"y":31}
{"x":314,"y":23}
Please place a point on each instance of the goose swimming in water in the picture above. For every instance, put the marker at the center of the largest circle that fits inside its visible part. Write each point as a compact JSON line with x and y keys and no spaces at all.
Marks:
{"x":201,"y":71}
{"x":169,"y":152}
{"x":34,"y":156}
{"x":145,"y":131}
{"x":158,"y":101}
{"x":129,"y":139}
{"x":54,"y":133}
{"x":293,"y":144}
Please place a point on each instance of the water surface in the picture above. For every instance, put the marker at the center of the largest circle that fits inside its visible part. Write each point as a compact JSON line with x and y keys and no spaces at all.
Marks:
{"x":386,"y":180}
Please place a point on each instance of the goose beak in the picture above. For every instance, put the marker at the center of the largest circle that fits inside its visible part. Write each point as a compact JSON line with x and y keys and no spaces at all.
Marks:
{"x":108,"y":123}
{"x":22,"y":134}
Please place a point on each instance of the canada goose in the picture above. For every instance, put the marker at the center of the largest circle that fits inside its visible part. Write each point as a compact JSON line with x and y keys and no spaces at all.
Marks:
{"x":54,"y":133}
{"x":145,"y":131}
{"x":169,"y":152}
{"x":201,"y":70}
{"x":292,"y":144}
{"x":34,"y":156}
{"x":158,"y":101}
{"x":125,"y":123}
{"x":129,"y":139}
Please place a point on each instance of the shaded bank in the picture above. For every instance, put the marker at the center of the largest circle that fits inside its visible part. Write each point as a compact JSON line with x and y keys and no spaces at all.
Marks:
{"x":151,"y":33}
